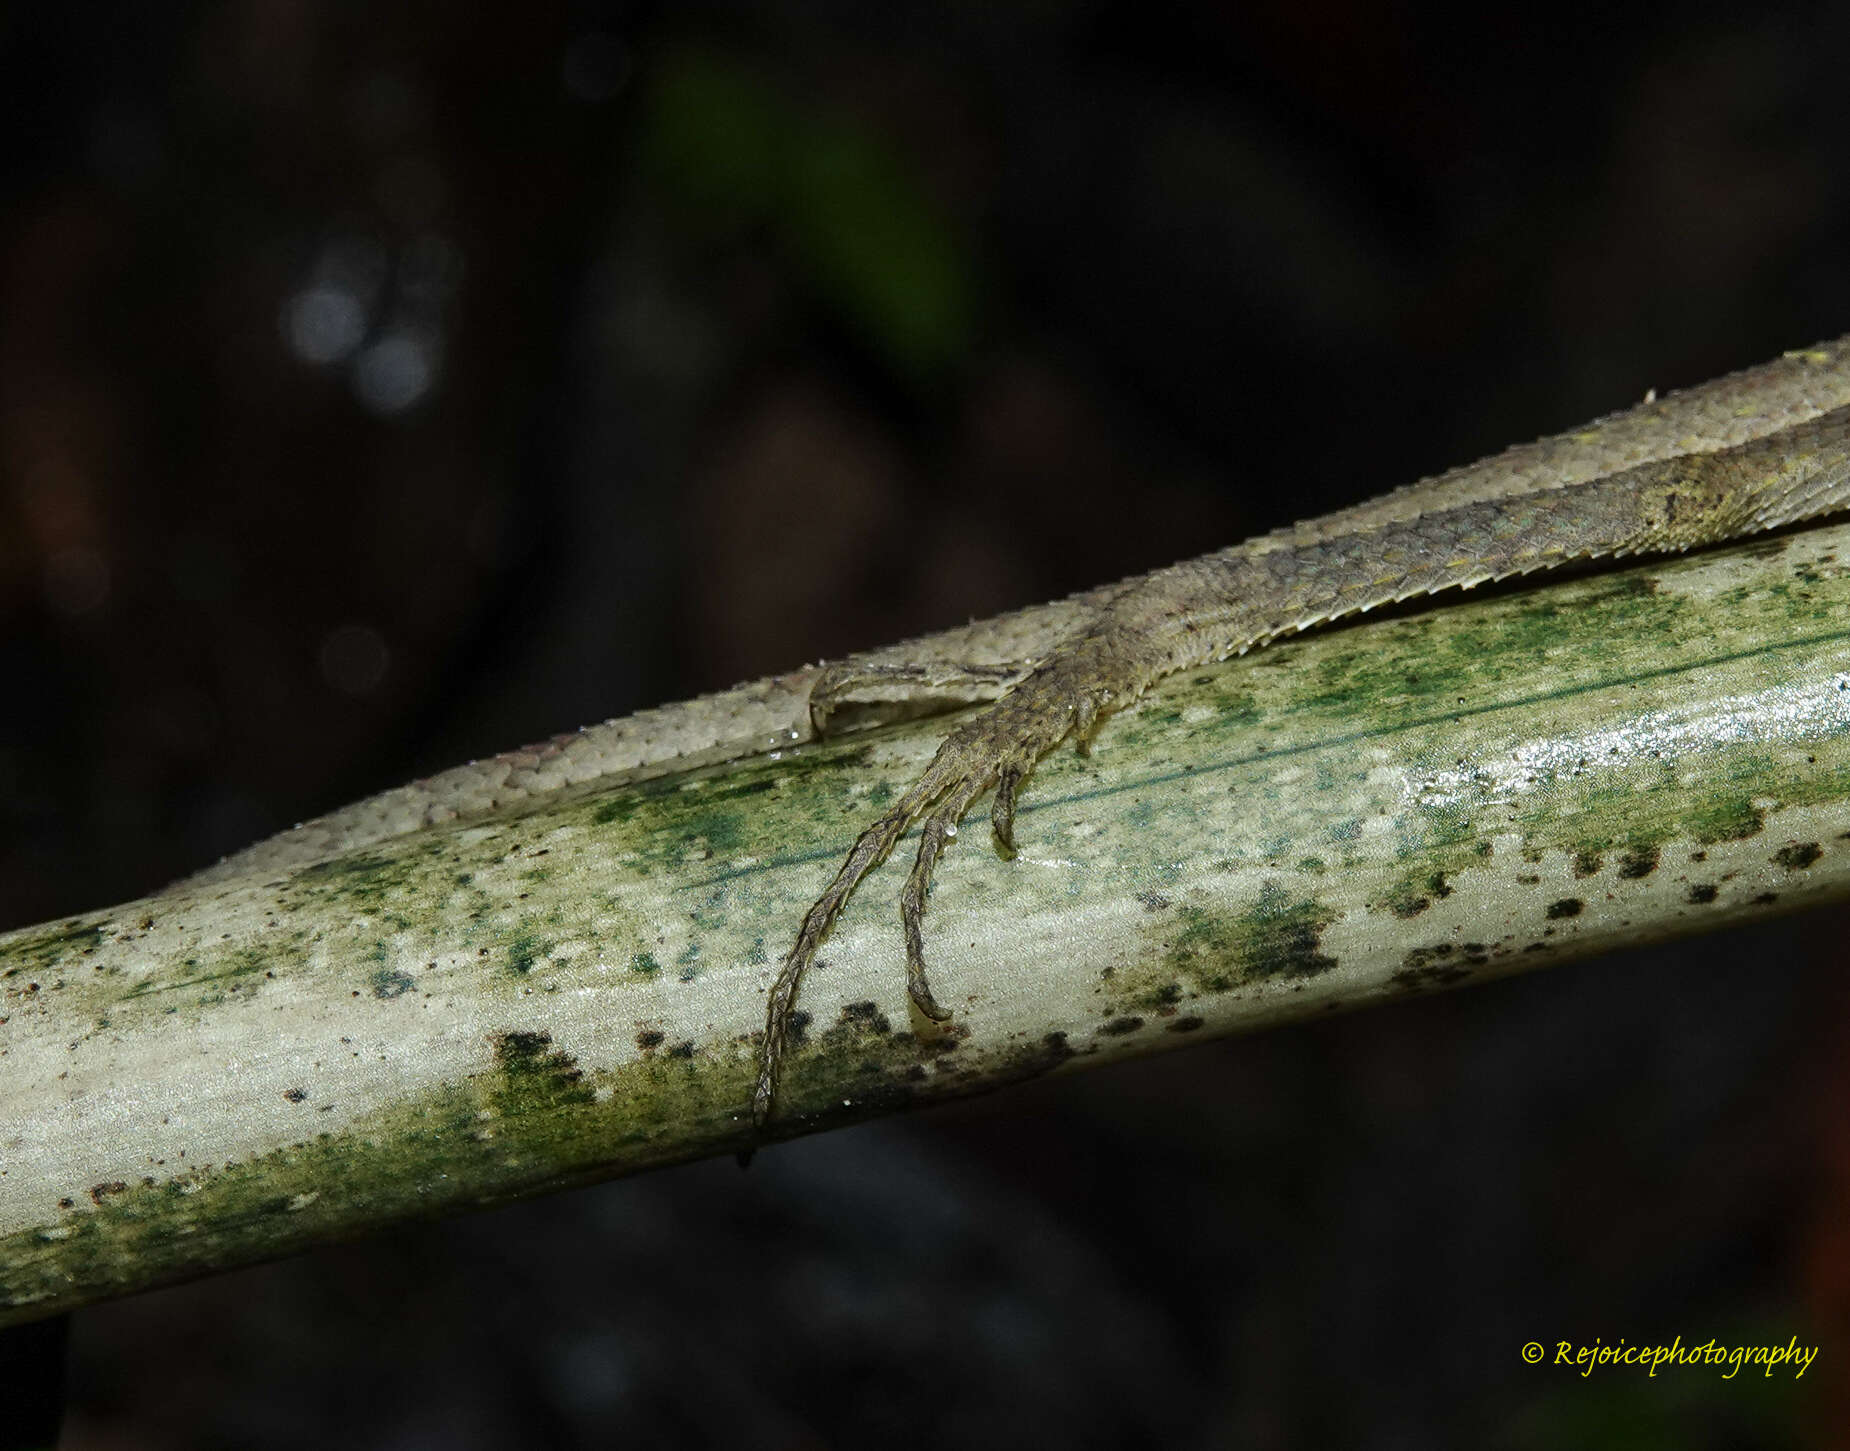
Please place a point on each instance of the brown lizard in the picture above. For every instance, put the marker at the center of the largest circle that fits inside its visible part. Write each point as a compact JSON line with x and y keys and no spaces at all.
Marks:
{"x":1752,"y":451}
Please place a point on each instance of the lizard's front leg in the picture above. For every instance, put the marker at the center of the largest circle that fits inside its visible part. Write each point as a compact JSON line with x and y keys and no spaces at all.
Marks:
{"x":1065,"y":695}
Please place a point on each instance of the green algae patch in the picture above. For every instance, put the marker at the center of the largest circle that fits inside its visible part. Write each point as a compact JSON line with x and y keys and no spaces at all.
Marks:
{"x":1623,"y":822}
{"x":1704,"y":814}
{"x":532,"y":1122}
{"x":1412,"y":895}
{"x":1141,"y":988}
{"x":1424,"y":661}
{"x":42,"y":950}
{"x":1202,"y":950}
{"x":362,"y":878}
{"x":1207,"y":951}
{"x":744,"y":809}
{"x":390,"y":983}
{"x":524,"y":950}
{"x":1729,"y":816}
{"x":206,"y":980}
{"x":536,"y":1078}
{"x":1281,"y":936}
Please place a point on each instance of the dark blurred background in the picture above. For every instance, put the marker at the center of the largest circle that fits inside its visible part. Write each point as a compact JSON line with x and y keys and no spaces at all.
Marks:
{"x":382,"y":386}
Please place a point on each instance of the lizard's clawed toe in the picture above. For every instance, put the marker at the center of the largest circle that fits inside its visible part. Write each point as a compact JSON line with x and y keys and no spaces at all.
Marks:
{"x":920,"y":992}
{"x":1002,"y":814}
{"x":939,"y":828}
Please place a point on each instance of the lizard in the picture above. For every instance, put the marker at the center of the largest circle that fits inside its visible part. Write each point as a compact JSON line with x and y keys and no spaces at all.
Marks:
{"x":1755,"y":450}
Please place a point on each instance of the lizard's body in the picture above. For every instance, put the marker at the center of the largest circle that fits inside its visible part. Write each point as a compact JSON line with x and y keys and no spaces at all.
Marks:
{"x":1753,"y":451}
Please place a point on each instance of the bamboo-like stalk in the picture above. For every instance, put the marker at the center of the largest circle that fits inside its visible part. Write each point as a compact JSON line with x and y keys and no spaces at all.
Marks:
{"x":484,"y":1011}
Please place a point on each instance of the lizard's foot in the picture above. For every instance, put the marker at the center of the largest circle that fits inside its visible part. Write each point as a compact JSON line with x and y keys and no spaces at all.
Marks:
{"x":998,"y":748}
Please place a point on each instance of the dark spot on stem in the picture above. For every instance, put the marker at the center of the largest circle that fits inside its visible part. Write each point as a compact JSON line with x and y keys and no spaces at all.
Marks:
{"x":1638,"y":861}
{"x":1410,"y":898}
{"x":865,"y":1015}
{"x":535,"y":1077}
{"x":1416,"y":979}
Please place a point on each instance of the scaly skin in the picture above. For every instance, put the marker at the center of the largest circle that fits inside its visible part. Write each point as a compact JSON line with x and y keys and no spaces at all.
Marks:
{"x":1762,"y":448}
{"x":1753,"y":451}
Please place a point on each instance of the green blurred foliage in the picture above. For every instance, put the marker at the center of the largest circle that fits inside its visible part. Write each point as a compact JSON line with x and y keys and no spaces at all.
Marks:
{"x":733,"y":150}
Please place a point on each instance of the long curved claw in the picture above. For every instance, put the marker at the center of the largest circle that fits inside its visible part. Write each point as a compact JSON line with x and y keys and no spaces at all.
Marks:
{"x":940,"y":827}
{"x":1002,"y":811}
